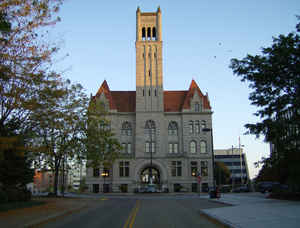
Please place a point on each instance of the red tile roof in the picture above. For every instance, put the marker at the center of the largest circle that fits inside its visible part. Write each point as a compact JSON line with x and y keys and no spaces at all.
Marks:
{"x":174,"y":101}
{"x":124,"y":100}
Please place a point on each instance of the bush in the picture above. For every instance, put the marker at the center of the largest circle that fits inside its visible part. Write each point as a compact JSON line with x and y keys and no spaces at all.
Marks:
{"x":15,"y":194}
{"x":3,"y":196}
{"x":286,"y":195}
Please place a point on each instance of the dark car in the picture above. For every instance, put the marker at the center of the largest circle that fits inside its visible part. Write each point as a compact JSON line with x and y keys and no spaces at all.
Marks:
{"x":244,"y":188}
{"x":267,"y":186}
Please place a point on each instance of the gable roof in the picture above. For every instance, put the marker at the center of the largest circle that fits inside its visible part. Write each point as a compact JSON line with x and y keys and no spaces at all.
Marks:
{"x":190,"y":94}
{"x":105,"y":89}
{"x":174,"y":101}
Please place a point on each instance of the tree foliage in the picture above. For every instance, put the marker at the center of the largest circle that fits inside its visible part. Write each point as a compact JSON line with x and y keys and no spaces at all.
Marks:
{"x":102,"y":148}
{"x":25,"y":78}
{"x":58,"y":130}
{"x":274,"y":77}
{"x":25,"y":58}
{"x":221,"y":173}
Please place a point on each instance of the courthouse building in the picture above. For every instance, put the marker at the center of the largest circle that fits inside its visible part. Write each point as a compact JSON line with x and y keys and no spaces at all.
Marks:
{"x":161,"y":131}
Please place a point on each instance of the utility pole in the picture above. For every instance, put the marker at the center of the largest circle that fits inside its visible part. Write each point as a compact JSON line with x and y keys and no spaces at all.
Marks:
{"x":232,"y":177}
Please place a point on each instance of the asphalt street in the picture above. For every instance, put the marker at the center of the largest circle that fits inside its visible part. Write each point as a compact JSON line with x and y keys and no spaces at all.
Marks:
{"x":138,"y":212}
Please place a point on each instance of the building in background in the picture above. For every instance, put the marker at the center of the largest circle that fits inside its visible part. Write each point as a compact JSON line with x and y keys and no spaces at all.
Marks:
{"x":162,"y":132}
{"x":236,"y":161}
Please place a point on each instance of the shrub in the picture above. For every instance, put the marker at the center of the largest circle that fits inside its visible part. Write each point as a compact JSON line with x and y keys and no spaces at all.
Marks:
{"x":3,"y":196}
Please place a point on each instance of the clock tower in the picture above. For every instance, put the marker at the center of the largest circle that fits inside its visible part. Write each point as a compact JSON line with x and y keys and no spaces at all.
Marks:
{"x":149,"y":78}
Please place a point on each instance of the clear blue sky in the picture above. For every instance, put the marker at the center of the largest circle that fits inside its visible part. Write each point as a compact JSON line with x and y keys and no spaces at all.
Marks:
{"x":199,"y":39}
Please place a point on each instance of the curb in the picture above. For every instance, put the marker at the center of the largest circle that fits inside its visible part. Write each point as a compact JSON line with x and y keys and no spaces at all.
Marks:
{"x":49,"y":218}
{"x":222,"y":222}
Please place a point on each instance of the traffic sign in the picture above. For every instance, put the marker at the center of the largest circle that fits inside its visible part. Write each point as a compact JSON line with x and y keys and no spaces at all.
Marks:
{"x":199,"y":179}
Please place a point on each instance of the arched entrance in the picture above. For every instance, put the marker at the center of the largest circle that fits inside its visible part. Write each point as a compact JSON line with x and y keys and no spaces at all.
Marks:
{"x":145,"y":175}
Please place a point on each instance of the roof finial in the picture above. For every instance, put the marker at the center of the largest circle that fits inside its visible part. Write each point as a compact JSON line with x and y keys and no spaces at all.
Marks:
{"x":158,"y":9}
{"x":138,"y":9}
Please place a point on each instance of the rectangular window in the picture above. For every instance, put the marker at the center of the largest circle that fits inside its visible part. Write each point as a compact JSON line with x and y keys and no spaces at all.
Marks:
{"x":124,"y":147}
{"x":197,"y":127}
{"x":170,"y":148}
{"x":124,"y":169}
{"x":153,"y":147}
{"x":96,"y":172}
{"x":191,"y":127}
{"x":204,"y":168}
{"x":176,"y":169}
{"x":194,"y":168}
{"x":147,"y":147}
{"x":129,"y":148}
{"x":175,"y":148}
{"x":95,"y":188}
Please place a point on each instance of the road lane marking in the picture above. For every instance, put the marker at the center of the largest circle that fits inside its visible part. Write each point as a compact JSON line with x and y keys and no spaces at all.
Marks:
{"x":132,"y":215}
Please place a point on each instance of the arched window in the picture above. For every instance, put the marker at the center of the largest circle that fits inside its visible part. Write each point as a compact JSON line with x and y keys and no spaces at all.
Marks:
{"x":149,"y":33}
{"x":203,"y":148}
{"x":153,"y":33}
{"x":143,"y":33}
{"x":193,"y":147}
{"x":126,"y":129}
{"x":150,"y":136}
{"x":173,"y":128}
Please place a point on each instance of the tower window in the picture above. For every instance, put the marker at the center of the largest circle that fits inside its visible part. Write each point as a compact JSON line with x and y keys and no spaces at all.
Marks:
{"x":143,"y":33}
{"x":155,"y":92}
{"x":149,"y":33}
{"x":149,"y":92}
{"x":149,"y":73}
{"x":143,"y":93}
{"x":153,"y":33}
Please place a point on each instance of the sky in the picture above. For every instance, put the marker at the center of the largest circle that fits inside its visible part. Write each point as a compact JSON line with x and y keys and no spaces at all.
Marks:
{"x":199,"y":39}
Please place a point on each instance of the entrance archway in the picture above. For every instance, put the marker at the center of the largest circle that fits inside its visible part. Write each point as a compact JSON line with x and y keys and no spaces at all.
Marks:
{"x":145,"y":175}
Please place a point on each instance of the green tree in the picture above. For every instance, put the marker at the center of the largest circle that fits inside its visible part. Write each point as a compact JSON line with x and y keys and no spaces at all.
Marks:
{"x":274,"y":77}
{"x":221,"y":173}
{"x":101,"y":146}
{"x":58,"y":131}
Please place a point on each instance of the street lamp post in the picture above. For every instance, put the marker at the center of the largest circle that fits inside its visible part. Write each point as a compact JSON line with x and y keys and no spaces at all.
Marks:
{"x":232,"y":177}
{"x":212,"y":154}
{"x":150,"y":148}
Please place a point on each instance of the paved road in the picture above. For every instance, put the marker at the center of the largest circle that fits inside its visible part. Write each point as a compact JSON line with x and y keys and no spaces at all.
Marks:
{"x":141,"y":212}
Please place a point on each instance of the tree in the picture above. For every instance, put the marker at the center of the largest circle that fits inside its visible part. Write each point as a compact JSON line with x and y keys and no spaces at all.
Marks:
{"x":274,"y":77}
{"x":221,"y":173}
{"x":101,"y":147}
{"x":58,"y":130}
{"x":25,"y":59}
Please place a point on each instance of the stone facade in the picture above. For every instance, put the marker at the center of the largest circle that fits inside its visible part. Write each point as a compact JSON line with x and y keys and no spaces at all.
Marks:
{"x":161,"y":131}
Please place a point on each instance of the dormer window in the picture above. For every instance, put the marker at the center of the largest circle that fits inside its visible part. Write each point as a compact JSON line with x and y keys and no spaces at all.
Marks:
{"x":197,"y":107}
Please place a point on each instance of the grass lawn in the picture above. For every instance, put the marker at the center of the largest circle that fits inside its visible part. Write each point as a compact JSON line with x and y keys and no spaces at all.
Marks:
{"x":17,"y":205}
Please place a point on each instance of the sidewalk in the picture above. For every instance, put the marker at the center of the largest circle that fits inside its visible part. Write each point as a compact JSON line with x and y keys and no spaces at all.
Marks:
{"x":254,"y":210}
{"x":33,"y":216}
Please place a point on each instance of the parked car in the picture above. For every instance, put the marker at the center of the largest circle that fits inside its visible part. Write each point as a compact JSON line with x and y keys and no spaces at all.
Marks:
{"x":225,"y":188}
{"x":243,"y":188}
{"x":267,"y":186}
{"x":151,"y":189}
